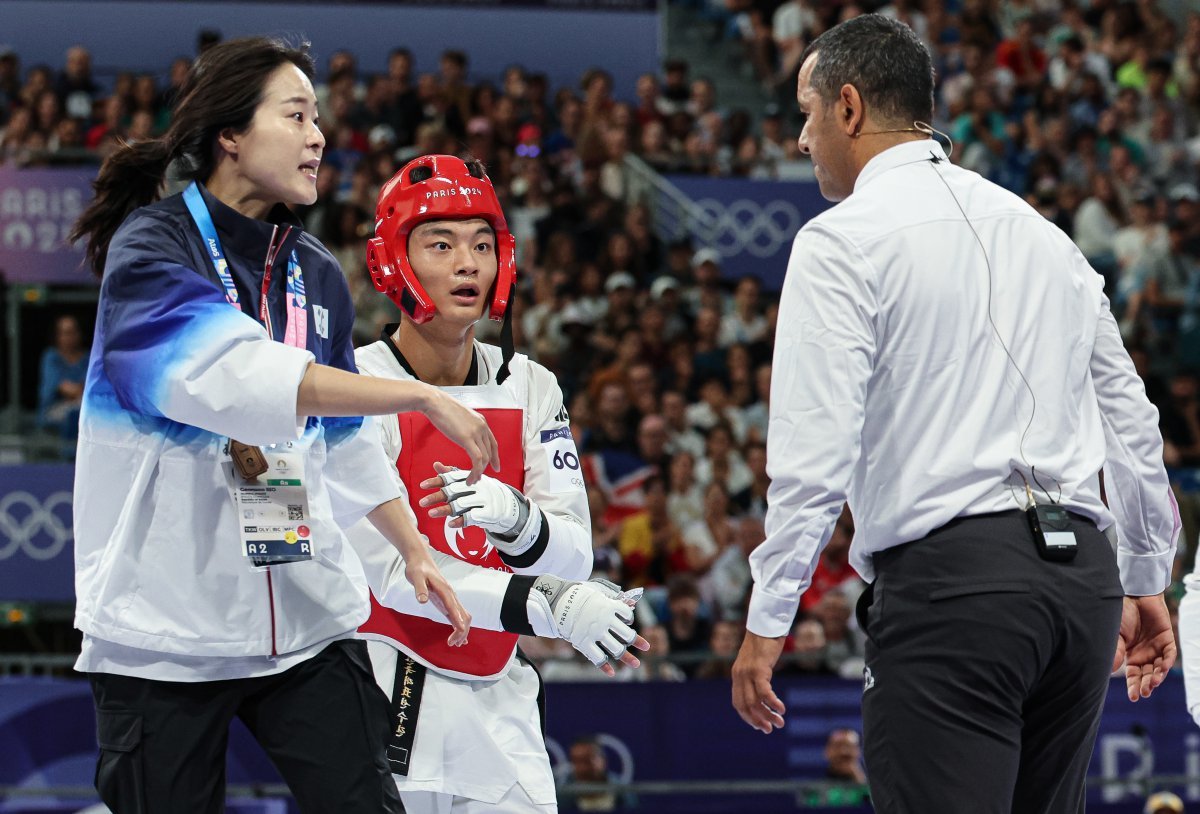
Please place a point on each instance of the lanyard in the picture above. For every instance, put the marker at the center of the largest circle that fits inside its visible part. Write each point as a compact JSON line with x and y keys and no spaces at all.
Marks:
{"x":296,"y":332}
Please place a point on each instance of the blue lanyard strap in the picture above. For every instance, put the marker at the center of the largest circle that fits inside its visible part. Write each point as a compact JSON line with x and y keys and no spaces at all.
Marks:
{"x":296,"y":333}
{"x":208,"y":231}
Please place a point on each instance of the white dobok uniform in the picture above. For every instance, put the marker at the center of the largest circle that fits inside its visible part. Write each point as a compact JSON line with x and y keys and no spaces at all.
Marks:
{"x":478,"y":743}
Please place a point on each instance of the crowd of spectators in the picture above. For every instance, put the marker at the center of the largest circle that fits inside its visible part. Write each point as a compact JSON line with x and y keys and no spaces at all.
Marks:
{"x":1089,"y":111}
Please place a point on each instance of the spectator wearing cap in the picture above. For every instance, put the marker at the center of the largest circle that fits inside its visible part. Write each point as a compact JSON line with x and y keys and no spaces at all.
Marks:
{"x":576,"y":325}
{"x":664,"y":297}
{"x":1184,"y":201}
{"x":620,"y":313}
{"x":678,"y":260}
{"x":705,"y":281}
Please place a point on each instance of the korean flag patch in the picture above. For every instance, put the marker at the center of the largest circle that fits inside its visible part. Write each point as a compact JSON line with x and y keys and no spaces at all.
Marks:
{"x":321,"y":321}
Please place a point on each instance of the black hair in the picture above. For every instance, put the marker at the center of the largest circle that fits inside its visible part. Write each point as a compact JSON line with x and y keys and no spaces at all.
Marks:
{"x":222,"y":92}
{"x":883,"y":59}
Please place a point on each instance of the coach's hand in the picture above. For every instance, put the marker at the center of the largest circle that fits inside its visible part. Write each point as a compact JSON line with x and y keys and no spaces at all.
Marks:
{"x":1146,"y":644}
{"x":753,"y":697}
{"x":465,"y":427}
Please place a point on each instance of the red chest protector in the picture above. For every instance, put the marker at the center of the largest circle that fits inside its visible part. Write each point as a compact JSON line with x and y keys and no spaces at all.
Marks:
{"x":487,"y":652}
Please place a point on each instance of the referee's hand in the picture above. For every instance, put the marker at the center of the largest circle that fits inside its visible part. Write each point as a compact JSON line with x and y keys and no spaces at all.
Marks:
{"x":753,"y":697}
{"x":1146,"y":644}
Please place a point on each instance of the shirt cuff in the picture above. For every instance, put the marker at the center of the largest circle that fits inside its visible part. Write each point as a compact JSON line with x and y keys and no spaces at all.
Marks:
{"x":273,"y":418}
{"x":771,"y":616}
{"x":1145,"y":574}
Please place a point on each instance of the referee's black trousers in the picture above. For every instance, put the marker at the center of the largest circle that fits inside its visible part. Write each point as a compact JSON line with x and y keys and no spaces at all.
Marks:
{"x":987,"y":668}
{"x":324,"y":723}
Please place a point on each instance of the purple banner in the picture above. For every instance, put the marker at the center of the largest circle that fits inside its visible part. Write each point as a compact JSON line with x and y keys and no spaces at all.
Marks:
{"x":663,"y":731}
{"x":37,"y":533}
{"x":38,"y":207}
{"x":753,"y":222}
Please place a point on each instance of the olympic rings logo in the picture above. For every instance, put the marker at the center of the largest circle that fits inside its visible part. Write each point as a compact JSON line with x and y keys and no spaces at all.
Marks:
{"x":745,"y":226}
{"x":36,"y":527}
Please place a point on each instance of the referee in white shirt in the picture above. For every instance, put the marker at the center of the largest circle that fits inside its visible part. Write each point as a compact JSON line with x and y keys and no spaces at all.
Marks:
{"x":946,"y":362}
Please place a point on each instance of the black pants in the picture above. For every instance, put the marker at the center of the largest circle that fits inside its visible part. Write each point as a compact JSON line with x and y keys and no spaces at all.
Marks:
{"x":987,"y":669}
{"x":323,"y":723}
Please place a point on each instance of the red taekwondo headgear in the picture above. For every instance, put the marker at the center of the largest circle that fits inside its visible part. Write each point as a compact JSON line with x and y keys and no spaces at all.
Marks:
{"x":435,"y":187}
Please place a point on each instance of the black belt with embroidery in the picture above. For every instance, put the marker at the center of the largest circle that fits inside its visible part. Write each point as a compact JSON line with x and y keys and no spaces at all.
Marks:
{"x":406,"y":705}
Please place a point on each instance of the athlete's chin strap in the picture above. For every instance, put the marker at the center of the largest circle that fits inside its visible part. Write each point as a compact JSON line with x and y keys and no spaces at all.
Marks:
{"x":506,"y":344}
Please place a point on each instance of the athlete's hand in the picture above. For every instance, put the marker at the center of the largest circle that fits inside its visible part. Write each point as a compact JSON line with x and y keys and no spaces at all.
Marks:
{"x":465,"y":427}
{"x":590,"y":616}
{"x":1146,"y":644}
{"x":430,"y":586}
{"x":753,"y":697}
{"x":488,"y":503}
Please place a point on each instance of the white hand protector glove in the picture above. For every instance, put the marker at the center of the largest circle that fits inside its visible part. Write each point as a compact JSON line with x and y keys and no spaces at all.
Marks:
{"x":587,"y":614}
{"x":511,"y":523}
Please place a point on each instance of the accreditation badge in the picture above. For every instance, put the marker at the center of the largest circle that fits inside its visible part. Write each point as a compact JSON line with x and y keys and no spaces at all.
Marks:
{"x":275,"y":526}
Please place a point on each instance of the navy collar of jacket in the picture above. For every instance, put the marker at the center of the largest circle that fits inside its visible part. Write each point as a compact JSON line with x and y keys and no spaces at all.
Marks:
{"x":246,"y":237}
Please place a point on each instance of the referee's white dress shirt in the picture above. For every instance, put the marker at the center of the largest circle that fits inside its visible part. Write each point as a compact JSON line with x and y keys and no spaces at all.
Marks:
{"x":892,"y":389}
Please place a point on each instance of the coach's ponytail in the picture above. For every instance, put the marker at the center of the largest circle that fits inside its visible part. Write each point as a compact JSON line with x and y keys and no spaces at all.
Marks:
{"x":129,"y":178}
{"x":221,"y":92}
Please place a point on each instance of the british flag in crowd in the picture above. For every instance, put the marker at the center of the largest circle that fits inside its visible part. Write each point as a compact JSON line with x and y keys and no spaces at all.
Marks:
{"x":620,"y":475}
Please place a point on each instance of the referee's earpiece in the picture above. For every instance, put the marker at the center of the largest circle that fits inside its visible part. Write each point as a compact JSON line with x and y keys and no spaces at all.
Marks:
{"x":929,"y":130}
